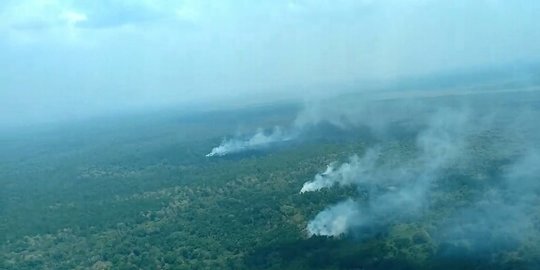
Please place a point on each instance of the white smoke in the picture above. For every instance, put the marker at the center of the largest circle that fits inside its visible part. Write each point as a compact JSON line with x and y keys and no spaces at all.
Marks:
{"x":322,"y":180}
{"x":334,"y":112}
{"x":338,"y":113}
{"x":258,"y":141}
{"x":394,"y":188}
{"x":335,"y":220}
{"x":353,"y":172}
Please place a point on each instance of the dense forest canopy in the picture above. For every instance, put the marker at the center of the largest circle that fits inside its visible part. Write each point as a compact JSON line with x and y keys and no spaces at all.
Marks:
{"x":447,"y":181}
{"x":269,"y":134}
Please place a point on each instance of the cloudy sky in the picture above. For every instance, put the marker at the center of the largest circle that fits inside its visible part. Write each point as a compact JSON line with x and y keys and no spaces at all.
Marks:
{"x":63,"y":59}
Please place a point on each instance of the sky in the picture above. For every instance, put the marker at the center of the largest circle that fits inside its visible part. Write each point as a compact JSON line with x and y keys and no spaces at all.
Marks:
{"x":63,"y":60}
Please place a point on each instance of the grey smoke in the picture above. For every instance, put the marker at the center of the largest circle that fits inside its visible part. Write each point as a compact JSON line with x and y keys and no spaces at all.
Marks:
{"x":505,"y":214}
{"x":485,"y":148}
{"x":394,"y":188}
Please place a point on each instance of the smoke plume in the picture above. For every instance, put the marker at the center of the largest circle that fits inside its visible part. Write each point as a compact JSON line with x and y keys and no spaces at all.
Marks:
{"x":336,"y":220}
{"x":397,"y":186}
{"x":338,"y":113}
{"x":469,"y":173}
{"x":354,"y":172}
{"x":258,"y":141}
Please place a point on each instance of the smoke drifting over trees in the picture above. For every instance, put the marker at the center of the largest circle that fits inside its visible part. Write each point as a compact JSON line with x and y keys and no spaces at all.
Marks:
{"x":458,"y":141}
{"x":481,"y":142}
{"x":258,"y":141}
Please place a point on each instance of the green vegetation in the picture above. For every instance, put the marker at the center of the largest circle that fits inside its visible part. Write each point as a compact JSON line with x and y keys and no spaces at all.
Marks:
{"x":141,"y":195}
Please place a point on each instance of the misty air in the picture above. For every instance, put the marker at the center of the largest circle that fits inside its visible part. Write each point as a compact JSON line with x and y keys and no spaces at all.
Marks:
{"x":288,"y":134}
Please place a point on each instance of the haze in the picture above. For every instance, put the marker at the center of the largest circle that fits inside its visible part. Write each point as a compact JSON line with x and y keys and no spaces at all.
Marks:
{"x":65,"y":60}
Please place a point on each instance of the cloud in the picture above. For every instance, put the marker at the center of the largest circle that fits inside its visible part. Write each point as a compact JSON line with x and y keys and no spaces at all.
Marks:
{"x":113,"y":14}
{"x":73,"y":18}
{"x":119,"y":54}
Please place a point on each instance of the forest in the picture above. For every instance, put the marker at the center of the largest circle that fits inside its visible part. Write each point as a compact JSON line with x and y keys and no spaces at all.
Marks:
{"x":138,"y":192}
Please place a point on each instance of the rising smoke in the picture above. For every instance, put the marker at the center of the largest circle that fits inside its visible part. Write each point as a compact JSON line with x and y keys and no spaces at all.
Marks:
{"x":336,"y":220}
{"x":488,"y":147}
{"x":337,"y":113}
{"x":487,"y":144}
{"x":354,"y":172}
{"x":258,"y":141}
{"x":393,"y":187}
